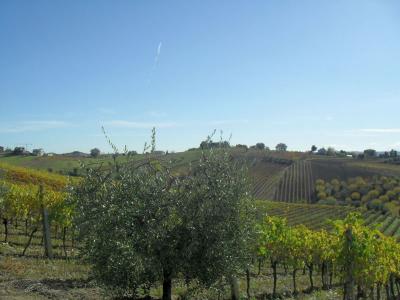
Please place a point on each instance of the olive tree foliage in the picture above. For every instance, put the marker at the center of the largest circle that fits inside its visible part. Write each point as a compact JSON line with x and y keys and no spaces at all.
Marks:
{"x":142,"y":225}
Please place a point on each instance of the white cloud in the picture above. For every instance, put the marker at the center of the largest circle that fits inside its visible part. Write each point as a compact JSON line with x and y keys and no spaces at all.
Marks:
{"x":26,"y":126}
{"x":156,"y":58}
{"x":139,"y":125}
{"x":381,"y":130}
{"x":158,"y":52}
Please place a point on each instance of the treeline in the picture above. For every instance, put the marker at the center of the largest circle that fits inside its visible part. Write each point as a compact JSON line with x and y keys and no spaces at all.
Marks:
{"x":379,"y":192}
{"x":209,"y":144}
{"x":365,"y":261}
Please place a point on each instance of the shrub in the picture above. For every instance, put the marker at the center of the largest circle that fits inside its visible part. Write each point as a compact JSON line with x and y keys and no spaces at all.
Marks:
{"x":376,"y":204}
{"x":355,"y":196}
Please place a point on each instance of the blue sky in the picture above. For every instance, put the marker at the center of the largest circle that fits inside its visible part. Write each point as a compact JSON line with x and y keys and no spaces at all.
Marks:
{"x":299,"y":72}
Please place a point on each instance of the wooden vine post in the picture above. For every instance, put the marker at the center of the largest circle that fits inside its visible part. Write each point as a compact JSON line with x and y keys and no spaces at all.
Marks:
{"x":349,"y":267}
{"x":46,"y":226}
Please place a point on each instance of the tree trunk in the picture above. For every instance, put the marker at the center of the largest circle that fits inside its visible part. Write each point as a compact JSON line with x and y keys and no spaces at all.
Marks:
{"x":360,"y":293}
{"x":234,"y":288}
{"x":26,"y":227}
{"x":323,"y":276}
{"x":5,"y":222}
{"x":259,"y":266}
{"x":63,"y":241}
{"x":294,"y":282}
{"x":310,"y":274}
{"x":371,"y":293}
{"x":29,"y":240}
{"x":348,"y":289}
{"x":248,"y":283}
{"x":72,"y":238}
{"x":273,"y":266}
{"x":391,"y":282}
{"x":388,"y":297}
{"x":167,"y":286}
{"x":331,"y":277}
{"x":378,"y":292}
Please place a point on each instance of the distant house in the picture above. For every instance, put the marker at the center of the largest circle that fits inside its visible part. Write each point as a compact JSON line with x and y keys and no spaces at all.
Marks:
{"x":1,"y":149}
{"x":49,"y":154}
{"x":38,"y":152}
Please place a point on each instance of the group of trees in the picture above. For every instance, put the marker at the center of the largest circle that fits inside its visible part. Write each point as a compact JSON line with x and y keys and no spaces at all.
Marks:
{"x":140,"y":224}
{"x":330,"y":151}
{"x":379,"y":192}
{"x":208,"y":144}
{"x":281,"y":147}
{"x":359,"y":256}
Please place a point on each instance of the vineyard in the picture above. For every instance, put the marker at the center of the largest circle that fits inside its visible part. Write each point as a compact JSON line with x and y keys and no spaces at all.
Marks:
{"x":317,"y":216}
{"x":22,"y":202}
{"x":296,"y":183}
{"x":264,"y":176}
{"x":25,"y":195}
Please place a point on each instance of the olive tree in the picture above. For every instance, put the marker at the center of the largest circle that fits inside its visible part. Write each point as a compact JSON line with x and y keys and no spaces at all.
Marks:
{"x":281,"y":147}
{"x":142,"y":225}
{"x":95,"y":152}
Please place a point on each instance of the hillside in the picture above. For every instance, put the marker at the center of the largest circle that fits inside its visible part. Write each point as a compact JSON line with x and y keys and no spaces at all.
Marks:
{"x":280,"y":176}
{"x":297,"y":182}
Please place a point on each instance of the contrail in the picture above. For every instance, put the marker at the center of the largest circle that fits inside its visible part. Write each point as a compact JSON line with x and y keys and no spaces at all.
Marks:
{"x":156,"y":58}
{"x":158,"y":53}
